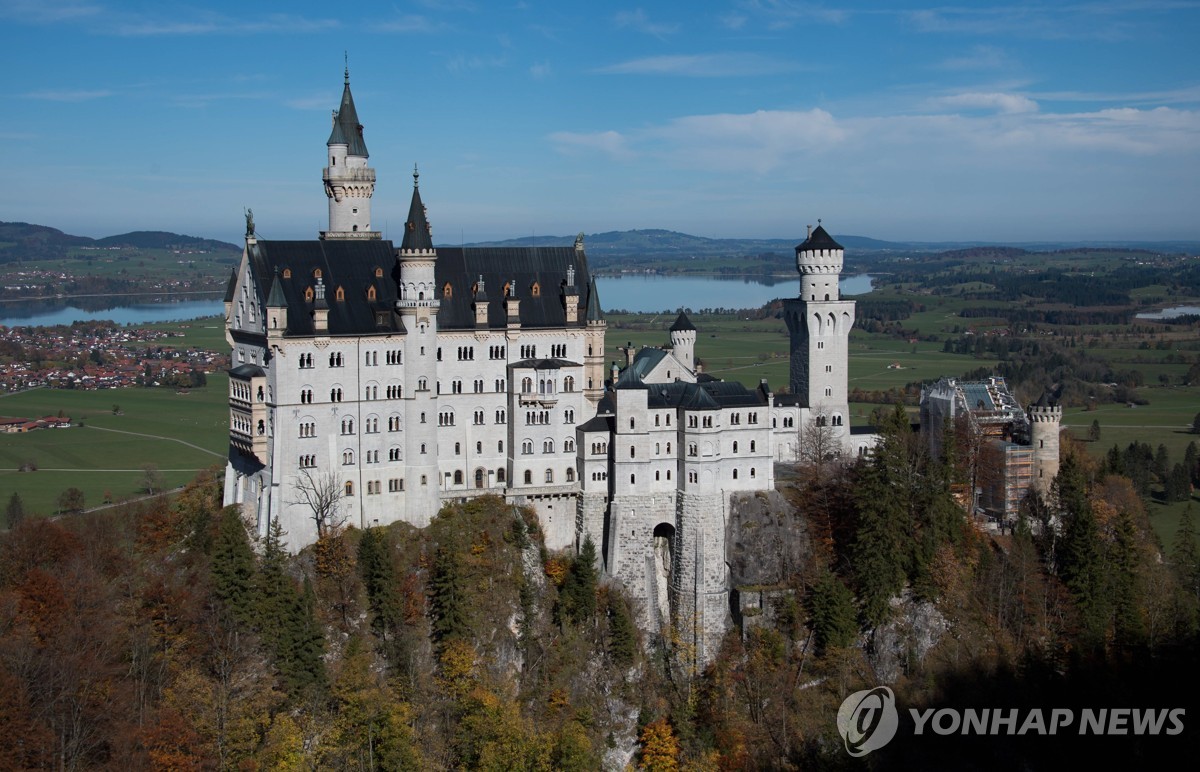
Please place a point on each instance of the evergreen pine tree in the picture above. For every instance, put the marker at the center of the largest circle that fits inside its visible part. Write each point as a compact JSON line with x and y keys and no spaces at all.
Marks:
{"x":1191,"y":462}
{"x":622,"y":637}
{"x":14,"y":513}
{"x":233,"y":567}
{"x":1080,"y":553}
{"x":1185,"y":554}
{"x":447,"y":601}
{"x":1122,"y":586}
{"x":832,"y":613}
{"x":379,"y":579}
{"x":577,"y":599}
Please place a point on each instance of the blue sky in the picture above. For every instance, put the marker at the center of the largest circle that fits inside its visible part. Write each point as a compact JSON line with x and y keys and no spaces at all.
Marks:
{"x":1011,"y":122}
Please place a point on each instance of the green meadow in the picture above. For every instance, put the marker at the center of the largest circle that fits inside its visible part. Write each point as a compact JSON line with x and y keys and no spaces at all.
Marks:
{"x":179,"y":433}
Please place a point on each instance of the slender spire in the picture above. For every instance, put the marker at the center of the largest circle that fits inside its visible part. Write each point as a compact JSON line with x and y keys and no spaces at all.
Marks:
{"x":346,"y":128}
{"x":417,"y":234}
{"x":594,"y":312}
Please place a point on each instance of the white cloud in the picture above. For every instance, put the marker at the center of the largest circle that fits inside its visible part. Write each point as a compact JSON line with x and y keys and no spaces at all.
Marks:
{"x":992,"y":100}
{"x":638,"y":20}
{"x":211,"y":23}
{"x":978,"y":58}
{"x":760,"y":141}
{"x":609,"y":143}
{"x":702,"y":65}
{"x":540,"y":70}
{"x":69,"y":96}
{"x":48,"y":11}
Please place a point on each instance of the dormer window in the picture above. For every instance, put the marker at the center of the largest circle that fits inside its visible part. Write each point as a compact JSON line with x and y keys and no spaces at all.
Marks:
{"x":371,"y":293}
{"x":308,"y":295}
{"x":447,"y":290}
{"x":536,"y":289}
{"x":378,"y":272}
{"x":287,"y":273}
{"x":316,"y":273}
{"x":340,"y":294}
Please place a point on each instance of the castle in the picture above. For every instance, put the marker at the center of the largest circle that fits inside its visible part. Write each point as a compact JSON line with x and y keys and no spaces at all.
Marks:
{"x":371,"y":383}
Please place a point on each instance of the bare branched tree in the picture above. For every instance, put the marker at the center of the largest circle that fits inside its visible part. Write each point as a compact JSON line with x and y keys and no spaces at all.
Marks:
{"x":819,"y":447}
{"x":322,"y":493}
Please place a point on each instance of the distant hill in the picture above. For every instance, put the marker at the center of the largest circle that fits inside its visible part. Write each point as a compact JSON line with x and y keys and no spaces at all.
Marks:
{"x":166,"y":240}
{"x":26,"y":241}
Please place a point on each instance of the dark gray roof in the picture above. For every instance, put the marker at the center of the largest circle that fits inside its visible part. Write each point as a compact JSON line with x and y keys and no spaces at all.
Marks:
{"x":643,"y":363}
{"x":276,"y":299}
{"x":711,"y":395}
{"x":682,"y":323}
{"x":517,"y":268}
{"x":545,"y":364}
{"x":819,"y":239}
{"x":247,"y":372}
{"x":594,"y":312}
{"x":346,"y":128}
{"x":348,"y":265}
{"x":352,"y":265}
{"x":600,"y":423}
{"x":417,"y":235}
{"x":231,"y":287}
{"x":1049,"y":397}
{"x":863,"y":430}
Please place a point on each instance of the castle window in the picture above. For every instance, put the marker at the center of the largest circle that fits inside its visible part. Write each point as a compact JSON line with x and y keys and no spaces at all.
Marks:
{"x":378,"y":272}
{"x":549,"y":475}
{"x":752,"y":443}
{"x":340,"y":294}
{"x":632,"y":479}
{"x":348,"y":457}
{"x":287,"y":273}
{"x":371,"y":295}
{"x":735,"y":446}
{"x":528,"y":477}
{"x":536,"y":289}
{"x":349,"y":488}
{"x":458,"y":448}
{"x":458,"y":477}
{"x":735,"y":474}
{"x":570,"y":474}
{"x":317,"y":273}
{"x":447,"y":290}
{"x":752,"y":473}
{"x":308,"y":295}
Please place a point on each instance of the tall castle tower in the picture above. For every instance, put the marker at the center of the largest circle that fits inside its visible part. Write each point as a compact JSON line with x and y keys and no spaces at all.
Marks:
{"x":1045,"y":417}
{"x":819,"y":323}
{"x":683,"y":341}
{"x":349,"y":182}
{"x":418,"y":306}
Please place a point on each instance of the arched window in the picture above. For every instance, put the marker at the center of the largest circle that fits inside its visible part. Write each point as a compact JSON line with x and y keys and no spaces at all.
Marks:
{"x":308,"y":295}
{"x":536,"y":289}
{"x":340,"y":294}
{"x":528,"y":477}
{"x":458,"y":477}
{"x":447,"y":290}
{"x":735,"y":446}
{"x":735,"y":474}
{"x":549,"y":475}
{"x":378,"y":272}
{"x":500,"y":475}
{"x":570,"y":474}
{"x":371,"y":294}
{"x":349,"y":488}
{"x":287,"y":273}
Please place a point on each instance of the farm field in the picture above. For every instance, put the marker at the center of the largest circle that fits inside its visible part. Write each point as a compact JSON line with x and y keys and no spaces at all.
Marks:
{"x":178,"y":433}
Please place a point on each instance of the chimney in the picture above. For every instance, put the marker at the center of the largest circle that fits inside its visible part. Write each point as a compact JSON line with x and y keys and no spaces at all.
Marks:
{"x":810,"y":231}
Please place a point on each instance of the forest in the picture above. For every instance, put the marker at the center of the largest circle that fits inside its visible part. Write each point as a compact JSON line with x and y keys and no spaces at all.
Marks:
{"x":161,"y":635}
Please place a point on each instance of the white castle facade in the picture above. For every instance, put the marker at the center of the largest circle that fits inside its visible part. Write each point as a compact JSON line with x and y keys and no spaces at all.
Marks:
{"x":371,"y":383}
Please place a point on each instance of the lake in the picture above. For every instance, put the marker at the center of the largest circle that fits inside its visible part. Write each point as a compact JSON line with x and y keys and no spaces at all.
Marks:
{"x":1170,"y":313}
{"x":633,"y":292}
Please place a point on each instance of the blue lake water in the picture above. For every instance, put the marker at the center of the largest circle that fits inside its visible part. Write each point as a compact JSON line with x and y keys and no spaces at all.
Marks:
{"x":638,"y":293}
{"x":1171,"y":313}
{"x":647,"y":294}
